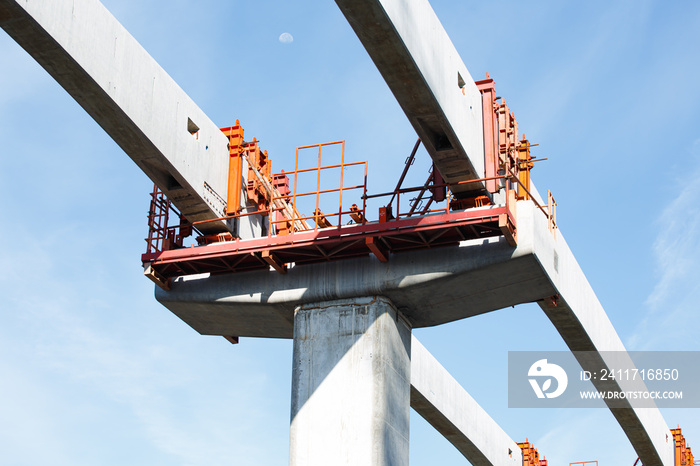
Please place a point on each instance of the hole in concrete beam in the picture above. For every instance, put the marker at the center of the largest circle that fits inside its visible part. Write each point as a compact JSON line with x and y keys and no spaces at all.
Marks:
{"x":435,"y":135}
{"x":172,"y":183}
{"x":460,"y":80}
{"x":192,"y":127}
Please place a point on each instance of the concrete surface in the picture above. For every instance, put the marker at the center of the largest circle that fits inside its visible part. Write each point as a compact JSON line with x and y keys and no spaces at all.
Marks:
{"x":439,"y":398}
{"x":350,"y":384}
{"x":425,"y":285}
{"x":420,"y":64}
{"x":130,"y":96}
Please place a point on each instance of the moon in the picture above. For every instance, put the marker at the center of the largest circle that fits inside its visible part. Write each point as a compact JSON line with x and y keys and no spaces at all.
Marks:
{"x":286,"y":38}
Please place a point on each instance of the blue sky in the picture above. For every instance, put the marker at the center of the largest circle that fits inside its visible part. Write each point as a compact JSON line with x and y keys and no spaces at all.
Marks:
{"x":94,"y":371}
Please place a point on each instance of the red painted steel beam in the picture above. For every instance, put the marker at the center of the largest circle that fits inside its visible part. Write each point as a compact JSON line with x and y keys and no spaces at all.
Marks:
{"x":330,"y":243}
{"x":274,"y":261}
{"x":377,"y":249}
{"x":307,"y":237}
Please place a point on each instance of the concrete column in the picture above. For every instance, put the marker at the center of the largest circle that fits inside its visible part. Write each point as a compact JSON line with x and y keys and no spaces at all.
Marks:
{"x":351,"y":384}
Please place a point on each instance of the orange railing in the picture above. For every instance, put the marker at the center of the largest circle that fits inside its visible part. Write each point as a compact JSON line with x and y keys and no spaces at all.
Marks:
{"x":321,"y":213}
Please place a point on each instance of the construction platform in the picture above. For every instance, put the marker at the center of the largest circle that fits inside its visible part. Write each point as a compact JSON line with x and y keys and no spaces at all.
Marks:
{"x":289,"y":238}
{"x":334,"y":243}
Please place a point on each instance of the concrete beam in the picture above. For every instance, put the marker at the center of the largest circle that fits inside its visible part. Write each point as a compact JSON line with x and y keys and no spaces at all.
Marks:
{"x":130,"y":96}
{"x":350,"y":384}
{"x":583,"y":324}
{"x":420,"y":64}
{"x":424,"y":285}
{"x":441,"y":401}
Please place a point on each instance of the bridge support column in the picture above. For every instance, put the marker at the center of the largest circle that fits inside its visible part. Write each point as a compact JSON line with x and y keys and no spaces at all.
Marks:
{"x":350,"y":384}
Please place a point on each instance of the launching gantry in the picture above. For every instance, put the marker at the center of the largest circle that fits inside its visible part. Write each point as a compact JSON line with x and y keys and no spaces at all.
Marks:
{"x":338,"y":224}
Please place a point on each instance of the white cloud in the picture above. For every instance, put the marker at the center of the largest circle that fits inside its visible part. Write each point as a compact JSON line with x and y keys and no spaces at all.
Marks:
{"x":672,"y":303}
{"x":676,"y":249}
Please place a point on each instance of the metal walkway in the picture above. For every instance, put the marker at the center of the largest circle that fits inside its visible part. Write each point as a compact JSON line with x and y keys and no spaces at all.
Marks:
{"x":304,"y":247}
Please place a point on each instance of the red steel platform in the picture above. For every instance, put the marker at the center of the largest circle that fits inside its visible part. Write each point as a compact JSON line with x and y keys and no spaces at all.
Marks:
{"x":334,"y":243}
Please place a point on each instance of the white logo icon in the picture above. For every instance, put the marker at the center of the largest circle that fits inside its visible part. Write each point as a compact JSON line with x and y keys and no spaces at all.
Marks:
{"x":543,"y":369}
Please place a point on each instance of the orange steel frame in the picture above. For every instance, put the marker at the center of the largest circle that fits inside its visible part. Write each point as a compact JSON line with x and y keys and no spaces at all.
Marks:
{"x":442,"y":228}
{"x":290,"y":239}
{"x":341,"y":241}
{"x":317,"y":193}
{"x":235,"y":167}
{"x":531,"y":456}
{"x":489,"y":106}
{"x":683,"y":453}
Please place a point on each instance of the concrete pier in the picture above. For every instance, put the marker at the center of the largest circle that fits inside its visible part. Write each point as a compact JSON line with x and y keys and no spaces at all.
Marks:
{"x":351,"y":384}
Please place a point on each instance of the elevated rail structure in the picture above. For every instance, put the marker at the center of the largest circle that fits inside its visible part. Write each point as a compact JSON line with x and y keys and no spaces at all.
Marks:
{"x":348,"y":294}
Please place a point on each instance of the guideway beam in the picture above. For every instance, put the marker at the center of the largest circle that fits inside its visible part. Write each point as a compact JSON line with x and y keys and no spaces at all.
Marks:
{"x":130,"y":96}
{"x":420,"y":64}
{"x":582,"y":322}
{"x":441,"y":401}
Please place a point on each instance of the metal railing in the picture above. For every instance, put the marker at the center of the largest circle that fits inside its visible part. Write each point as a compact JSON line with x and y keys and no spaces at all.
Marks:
{"x":161,"y":235}
{"x":320,"y":217}
{"x":284,"y":211}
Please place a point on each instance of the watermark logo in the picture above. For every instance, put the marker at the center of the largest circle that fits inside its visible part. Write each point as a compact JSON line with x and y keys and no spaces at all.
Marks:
{"x":542,"y":370}
{"x":605,"y":379}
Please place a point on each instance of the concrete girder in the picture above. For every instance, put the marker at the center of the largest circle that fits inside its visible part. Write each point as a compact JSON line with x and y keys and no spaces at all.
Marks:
{"x":441,"y":401}
{"x":418,"y":61}
{"x":95,"y":59}
{"x":430,"y":287}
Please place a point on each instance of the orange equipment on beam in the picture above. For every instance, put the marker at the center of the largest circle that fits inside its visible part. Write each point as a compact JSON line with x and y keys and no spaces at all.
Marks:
{"x":402,"y":226}
{"x":255,"y":190}
{"x":489,"y":105}
{"x":504,"y":151}
{"x":684,"y":456}
{"x":235,"y":167}
{"x":531,"y":457}
{"x":525,"y":164}
{"x":257,"y":160}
